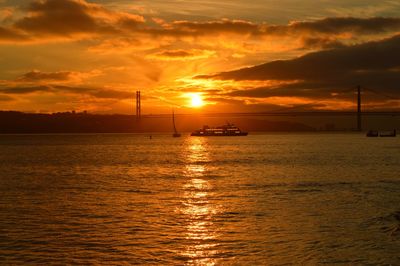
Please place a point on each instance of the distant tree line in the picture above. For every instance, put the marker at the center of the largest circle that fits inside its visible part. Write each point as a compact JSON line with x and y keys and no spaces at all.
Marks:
{"x":70,"y":122}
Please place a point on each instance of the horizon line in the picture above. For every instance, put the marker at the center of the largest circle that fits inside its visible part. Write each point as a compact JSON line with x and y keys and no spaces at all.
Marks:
{"x":223,"y":114}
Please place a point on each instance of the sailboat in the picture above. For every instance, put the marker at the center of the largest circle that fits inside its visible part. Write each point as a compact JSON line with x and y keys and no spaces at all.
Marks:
{"x":176,"y":134}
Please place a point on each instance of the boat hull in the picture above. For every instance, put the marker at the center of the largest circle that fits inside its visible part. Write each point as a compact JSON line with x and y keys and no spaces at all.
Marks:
{"x":199,"y":134}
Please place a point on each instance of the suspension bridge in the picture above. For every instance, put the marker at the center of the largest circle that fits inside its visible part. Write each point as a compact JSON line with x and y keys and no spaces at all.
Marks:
{"x":292,"y":112}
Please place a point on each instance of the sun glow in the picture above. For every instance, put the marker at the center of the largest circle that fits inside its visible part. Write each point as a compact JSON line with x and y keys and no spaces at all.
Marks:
{"x":196,"y":100}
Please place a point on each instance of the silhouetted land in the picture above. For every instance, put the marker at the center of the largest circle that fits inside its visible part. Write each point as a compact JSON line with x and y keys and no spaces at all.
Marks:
{"x":17,"y":122}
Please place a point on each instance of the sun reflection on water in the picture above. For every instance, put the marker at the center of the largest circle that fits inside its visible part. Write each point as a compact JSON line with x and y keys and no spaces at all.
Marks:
{"x":197,"y":207}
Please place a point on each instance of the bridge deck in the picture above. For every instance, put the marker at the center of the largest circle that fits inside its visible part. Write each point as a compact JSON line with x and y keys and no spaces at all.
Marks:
{"x":289,"y":114}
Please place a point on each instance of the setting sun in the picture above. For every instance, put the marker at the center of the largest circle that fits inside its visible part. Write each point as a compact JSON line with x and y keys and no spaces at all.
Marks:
{"x":196,"y":100}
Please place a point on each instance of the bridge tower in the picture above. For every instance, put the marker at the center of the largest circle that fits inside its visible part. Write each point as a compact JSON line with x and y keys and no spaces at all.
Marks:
{"x":359,"y":127}
{"x":138,"y":106}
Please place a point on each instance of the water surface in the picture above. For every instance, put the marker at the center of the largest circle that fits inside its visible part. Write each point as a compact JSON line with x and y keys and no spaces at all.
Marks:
{"x":258,"y":200}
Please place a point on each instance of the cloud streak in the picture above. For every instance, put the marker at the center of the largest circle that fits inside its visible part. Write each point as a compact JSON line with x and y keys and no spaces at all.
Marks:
{"x":35,"y":76}
{"x":181,"y":54}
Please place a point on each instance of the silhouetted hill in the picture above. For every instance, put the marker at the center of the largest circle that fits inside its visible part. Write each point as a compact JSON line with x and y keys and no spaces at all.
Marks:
{"x":17,"y":122}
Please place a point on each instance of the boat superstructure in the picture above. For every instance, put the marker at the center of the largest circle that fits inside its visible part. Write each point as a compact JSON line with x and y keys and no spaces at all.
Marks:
{"x":225,"y":130}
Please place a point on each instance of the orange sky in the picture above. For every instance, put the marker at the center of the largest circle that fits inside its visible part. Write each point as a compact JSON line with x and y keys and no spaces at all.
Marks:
{"x":62,"y":55}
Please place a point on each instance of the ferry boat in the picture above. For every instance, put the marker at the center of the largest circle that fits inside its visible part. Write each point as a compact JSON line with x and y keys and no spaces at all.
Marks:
{"x":225,"y":130}
{"x":388,"y":133}
{"x":376,"y":133}
{"x":373,"y":133}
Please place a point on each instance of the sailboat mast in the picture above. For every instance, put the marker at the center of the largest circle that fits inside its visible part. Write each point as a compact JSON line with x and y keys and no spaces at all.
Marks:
{"x":173,"y":121}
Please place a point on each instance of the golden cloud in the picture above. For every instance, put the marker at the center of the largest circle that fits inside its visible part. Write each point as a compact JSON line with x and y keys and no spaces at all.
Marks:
{"x":191,"y":54}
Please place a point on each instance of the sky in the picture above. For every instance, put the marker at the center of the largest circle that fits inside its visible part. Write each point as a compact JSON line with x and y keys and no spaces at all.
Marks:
{"x":238,"y":56}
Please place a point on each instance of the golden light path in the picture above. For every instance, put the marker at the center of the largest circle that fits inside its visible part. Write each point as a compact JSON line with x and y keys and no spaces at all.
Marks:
{"x":197,"y":208}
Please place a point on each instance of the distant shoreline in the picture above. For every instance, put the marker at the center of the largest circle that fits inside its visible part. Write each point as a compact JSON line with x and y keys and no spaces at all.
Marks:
{"x":12,"y":122}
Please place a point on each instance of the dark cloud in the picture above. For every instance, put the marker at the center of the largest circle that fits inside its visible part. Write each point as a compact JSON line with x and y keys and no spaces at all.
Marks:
{"x":181,"y":54}
{"x":74,"y":90}
{"x":225,"y":100}
{"x":340,"y":25}
{"x":335,"y":64}
{"x":5,"y":98}
{"x":176,"y":53}
{"x":101,"y":93}
{"x":12,"y":35}
{"x":323,"y":29}
{"x":258,"y":106}
{"x":329,"y":26}
{"x":112,"y":94}
{"x":34,"y":76}
{"x":24,"y":89}
{"x":325,"y":33}
{"x":284,"y":91}
{"x":219,"y":26}
{"x":321,"y":43}
{"x":56,"y":17}
{"x":331,"y":74}
{"x":68,"y":17}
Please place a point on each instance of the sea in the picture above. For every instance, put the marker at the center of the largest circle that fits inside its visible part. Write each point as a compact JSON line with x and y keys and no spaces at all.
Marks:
{"x":141,"y":199}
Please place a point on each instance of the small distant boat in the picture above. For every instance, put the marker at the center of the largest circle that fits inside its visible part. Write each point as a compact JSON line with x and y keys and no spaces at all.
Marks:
{"x":225,"y":130}
{"x":176,"y":134}
{"x":391,"y":133}
{"x":373,"y":133}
